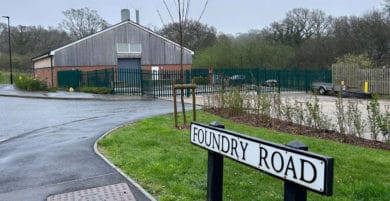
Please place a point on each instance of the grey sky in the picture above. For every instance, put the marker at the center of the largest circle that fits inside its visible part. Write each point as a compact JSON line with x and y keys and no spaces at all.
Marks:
{"x":228,"y":16}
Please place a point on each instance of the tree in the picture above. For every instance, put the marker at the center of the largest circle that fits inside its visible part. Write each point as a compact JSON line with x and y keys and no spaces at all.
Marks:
{"x":33,"y":40}
{"x":361,"y":61}
{"x":386,"y":8}
{"x":197,"y":35}
{"x":368,"y":35}
{"x":29,"y":41}
{"x":82,"y":22}
{"x":182,"y":7}
{"x":246,"y":50}
{"x":300,"y":25}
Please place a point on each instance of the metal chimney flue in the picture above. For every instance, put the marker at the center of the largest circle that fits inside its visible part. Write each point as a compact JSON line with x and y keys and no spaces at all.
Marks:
{"x":137,"y":16}
{"x":125,"y":14}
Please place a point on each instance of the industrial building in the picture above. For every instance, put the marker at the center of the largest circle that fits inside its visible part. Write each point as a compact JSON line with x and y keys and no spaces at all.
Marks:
{"x":126,"y":45}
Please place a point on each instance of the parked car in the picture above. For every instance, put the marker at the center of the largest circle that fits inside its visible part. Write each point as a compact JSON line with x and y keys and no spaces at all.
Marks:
{"x":326,"y":88}
{"x":235,"y":80}
{"x":270,"y":83}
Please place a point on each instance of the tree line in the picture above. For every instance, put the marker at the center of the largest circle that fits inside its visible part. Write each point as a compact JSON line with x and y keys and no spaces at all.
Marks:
{"x":303,"y":39}
{"x":31,"y":41}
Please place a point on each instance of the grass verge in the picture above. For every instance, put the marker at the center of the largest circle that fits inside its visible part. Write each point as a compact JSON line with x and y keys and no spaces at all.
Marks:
{"x":95,"y":90}
{"x":162,"y":160}
{"x":4,"y":77}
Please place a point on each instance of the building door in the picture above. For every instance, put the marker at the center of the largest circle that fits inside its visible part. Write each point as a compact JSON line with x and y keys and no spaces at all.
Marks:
{"x":155,"y":72}
{"x":129,"y":75}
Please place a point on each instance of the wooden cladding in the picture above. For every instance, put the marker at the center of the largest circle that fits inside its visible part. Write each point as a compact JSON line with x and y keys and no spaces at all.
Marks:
{"x":354,"y":77}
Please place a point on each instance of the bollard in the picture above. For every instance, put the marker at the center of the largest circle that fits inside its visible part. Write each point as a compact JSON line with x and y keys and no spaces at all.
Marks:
{"x":365,"y":87}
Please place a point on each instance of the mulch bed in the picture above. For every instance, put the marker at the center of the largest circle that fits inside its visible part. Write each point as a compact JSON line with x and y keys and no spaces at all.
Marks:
{"x":288,"y":127}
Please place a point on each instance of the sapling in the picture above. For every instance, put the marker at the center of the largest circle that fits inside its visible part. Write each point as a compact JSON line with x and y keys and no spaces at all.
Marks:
{"x":340,"y":114}
{"x":374,"y":117}
{"x":313,"y":114}
{"x":355,"y":121}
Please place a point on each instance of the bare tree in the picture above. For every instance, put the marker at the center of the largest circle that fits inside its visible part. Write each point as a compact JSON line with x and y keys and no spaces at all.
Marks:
{"x":197,"y":35}
{"x":386,"y":7}
{"x":182,"y":8}
{"x":82,"y":22}
{"x":300,"y":25}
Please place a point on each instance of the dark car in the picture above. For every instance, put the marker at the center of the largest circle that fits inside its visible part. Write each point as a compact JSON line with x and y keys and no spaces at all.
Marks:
{"x":235,"y":80}
{"x":270,"y":83}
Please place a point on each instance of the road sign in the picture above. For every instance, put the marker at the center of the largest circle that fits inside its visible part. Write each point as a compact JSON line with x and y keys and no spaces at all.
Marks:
{"x":307,"y":169}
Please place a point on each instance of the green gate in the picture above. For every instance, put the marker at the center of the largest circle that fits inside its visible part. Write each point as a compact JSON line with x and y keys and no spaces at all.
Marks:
{"x":71,"y":78}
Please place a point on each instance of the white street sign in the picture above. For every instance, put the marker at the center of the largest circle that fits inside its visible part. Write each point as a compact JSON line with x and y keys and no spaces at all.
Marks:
{"x":308,"y":169}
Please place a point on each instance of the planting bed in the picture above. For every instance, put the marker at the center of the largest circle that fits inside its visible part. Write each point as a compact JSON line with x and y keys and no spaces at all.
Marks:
{"x":289,"y":127}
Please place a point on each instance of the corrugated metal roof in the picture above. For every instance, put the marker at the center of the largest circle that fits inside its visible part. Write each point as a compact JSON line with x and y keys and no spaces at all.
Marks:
{"x":52,"y":52}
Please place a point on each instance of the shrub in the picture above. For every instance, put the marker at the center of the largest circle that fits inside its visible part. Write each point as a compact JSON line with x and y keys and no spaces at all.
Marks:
{"x":52,"y":89}
{"x":374,"y":117}
{"x":313,"y":117}
{"x":201,"y":80}
{"x":234,"y":102}
{"x":340,"y":114}
{"x":2,"y":78}
{"x":362,"y":61}
{"x":29,"y":83}
{"x":355,"y":121}
{"x":95,"y":90}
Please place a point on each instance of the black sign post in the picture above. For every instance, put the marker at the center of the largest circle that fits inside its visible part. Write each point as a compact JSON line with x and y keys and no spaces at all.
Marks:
{"x":292,"y":191}
{"x":215,"y":172}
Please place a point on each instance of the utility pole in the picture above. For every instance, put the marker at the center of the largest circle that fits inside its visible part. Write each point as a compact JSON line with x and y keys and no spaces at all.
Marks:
{"x":10,"y":51}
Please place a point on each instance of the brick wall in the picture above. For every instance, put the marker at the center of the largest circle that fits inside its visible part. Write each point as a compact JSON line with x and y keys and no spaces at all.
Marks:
{"x":43,"y":74}
{"x":168,"y":67}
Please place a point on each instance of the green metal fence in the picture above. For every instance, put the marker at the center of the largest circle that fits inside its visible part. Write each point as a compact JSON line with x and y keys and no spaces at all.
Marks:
{"x":255,"y":79}
{"x":70,"y":78}
{"x":98,"y":78}
{"x":159,"y":84}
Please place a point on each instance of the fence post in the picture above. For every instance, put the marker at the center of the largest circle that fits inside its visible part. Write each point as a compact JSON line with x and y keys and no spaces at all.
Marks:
{"x":306,"y":81}
{"x":105,"y":77}
{"x":188,"y":81}
{"x":279,"y":80}
{"x":292,"y":191}
{"x":215,"y":172}
{"x":141,"y":84}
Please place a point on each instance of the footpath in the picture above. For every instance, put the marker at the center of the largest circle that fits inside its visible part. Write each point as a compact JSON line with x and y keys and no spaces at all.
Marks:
{"x":11,"y":91}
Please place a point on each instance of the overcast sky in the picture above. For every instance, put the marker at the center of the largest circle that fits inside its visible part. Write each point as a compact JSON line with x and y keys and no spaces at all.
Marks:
{"x":228,"y":16}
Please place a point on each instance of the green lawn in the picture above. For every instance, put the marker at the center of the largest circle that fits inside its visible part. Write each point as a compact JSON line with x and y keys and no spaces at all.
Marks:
{"x":162,"y":160}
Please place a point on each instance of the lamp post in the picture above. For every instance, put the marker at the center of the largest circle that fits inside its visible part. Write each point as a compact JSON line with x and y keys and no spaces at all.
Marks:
{"x":10,"y":52}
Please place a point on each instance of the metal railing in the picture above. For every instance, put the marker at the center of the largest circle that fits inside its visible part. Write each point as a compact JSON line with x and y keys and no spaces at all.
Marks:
{"x":159,"y":84}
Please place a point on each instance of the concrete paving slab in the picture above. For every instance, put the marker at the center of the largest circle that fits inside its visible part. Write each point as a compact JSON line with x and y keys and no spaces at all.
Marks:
{"x":116,"y":192}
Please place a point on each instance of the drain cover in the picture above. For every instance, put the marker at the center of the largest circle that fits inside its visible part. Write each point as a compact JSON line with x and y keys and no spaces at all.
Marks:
{"x":116,"y":192}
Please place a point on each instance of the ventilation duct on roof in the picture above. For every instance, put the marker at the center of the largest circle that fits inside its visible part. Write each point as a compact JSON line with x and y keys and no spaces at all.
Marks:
{"x":137,"y":16}
{"x":125,"y":14}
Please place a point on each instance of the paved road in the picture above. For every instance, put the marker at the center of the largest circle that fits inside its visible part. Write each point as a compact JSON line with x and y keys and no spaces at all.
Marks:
{"x":47,"y":145}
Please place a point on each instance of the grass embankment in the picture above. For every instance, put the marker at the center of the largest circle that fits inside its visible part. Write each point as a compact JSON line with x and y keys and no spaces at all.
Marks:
{"x":164,"y":162}
{"x":95,"y":90}
{"x":4,"y":78}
